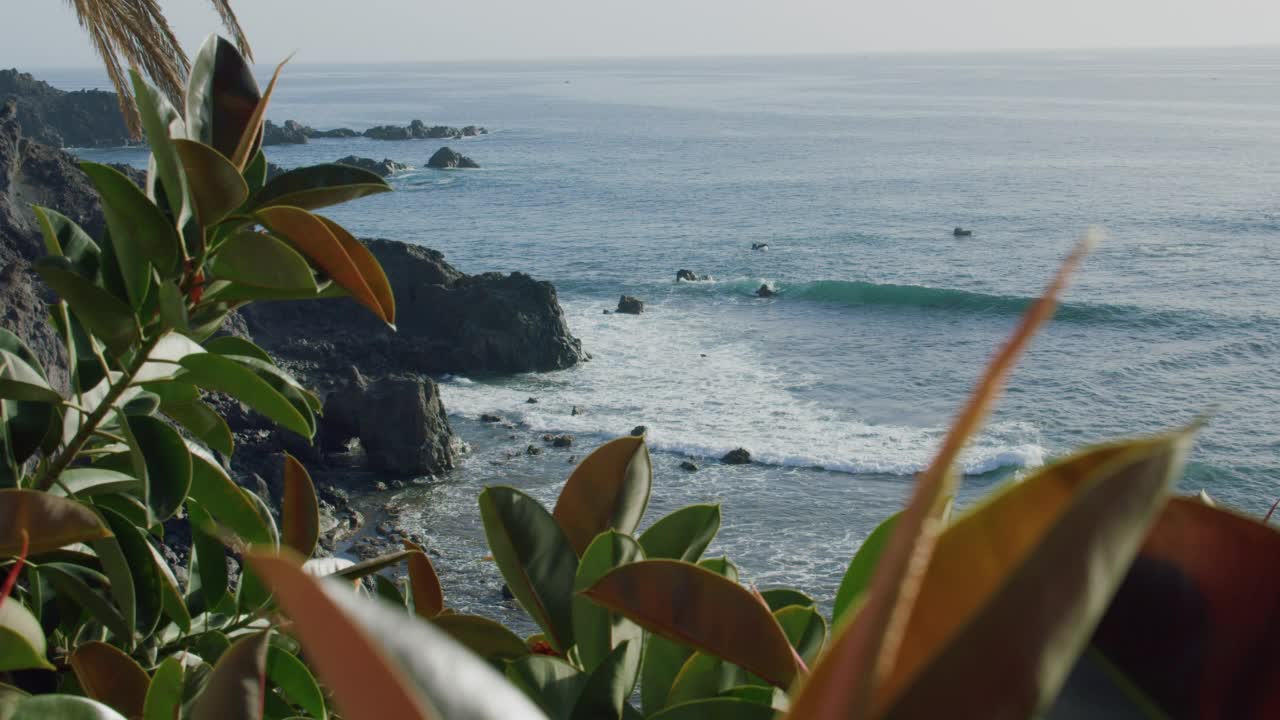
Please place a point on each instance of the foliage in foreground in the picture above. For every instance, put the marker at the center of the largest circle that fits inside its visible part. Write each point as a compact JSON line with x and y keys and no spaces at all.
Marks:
{"x":1083,"y":586}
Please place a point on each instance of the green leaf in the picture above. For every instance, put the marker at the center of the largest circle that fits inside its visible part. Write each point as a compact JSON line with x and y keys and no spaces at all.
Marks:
{"x":716,"y":709}
{"x":721,"y":566}
{"x":610,"y":683}
{"x":21,"y":381}
{"x":662,"y":661}
{"x":369,"y":267}
{"x":388,"y":590}
{"x":108,"y":675}
{"x":208,"y":558}
{"x":63,"y":237}
{"x":259,"y":260}
{"x":22,"y":643}
{"x":171,"y":601}
{"x":805,"y":629}
{"x":168,"y":465}
{"x":173,"y":306}
{"x":217,"y":188}
{"x":221,"y":96}
{"x":237,"y":687}
{"x":101,"y":313}
{"x":535,"y":559}
{"x":202,"y":422}
{"x":232,"y":345}
{"x":704,"y":676}
{"x":411,"y":663}
{"x":714,"y":614}
{"x":608,"y":490}
{"x":63,"y":707}
{"x":255,"y":173}
{"x":220,"y":374}
{"x":10,"y":696}
{"x":779,"y":598}
{"x":228,"y":503}
{"x":162,"y":124}
{"x":683,"y":534}
{"x":552,"y":683}
{"x":50,"y":522}
{"x":482,"y":636}
{"x":300,"y":510}
{"x":858,"y":577}
{"x":318,"y":186}
{"x":140,"y":232}
{"x":89,"y":481}
{"x":292,"y":676}
{"x":80,"y":584}
{"x":596,"y":630}
{"x":147,"y":584}
{"x":164,"y":696}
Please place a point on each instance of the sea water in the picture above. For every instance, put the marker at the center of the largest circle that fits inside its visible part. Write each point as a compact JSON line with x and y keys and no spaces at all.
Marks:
{"x":606,"y":176}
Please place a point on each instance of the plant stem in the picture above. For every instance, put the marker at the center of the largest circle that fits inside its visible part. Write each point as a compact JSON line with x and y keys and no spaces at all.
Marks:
{"x":90,"y":424}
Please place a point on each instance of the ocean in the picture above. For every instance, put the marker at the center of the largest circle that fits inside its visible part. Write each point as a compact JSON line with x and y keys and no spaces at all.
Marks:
{"x":607,"y":176}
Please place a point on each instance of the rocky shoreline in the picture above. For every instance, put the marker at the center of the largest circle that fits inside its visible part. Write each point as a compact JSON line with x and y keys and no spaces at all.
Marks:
{"x":292,"y":132}
{"x":383,"y":424}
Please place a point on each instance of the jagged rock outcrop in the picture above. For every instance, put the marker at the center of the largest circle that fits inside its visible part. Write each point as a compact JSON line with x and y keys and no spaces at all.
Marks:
{"x":689,"y":276}
{"x":629,"y":305}
{"x":447,"y":322}
{"x":737,"y":456}
{"x":388,"y":132}
{"x":400,"y":422}
{"x":418,"y":130}
{"x":383,"y":168}
{"x":24,"y":313}
{"x":291,"y":133}
{"x":445,"y":158}
{"x":83,"y":118}
{"x":334,"y":133}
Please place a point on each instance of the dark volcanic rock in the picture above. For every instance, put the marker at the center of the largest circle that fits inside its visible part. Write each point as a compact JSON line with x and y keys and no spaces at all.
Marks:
{"x":689,"y":276}
{"x":25,"y":314}
{"x":400,"y":421}
{"x":444,"y":158}
{"x":383,"y":169}
{"x":740,"y":456}
{"x":639,"y":430}
{"x":388,"y":132}
{"x":274,"y":171}
{"x":334,"y":133}
{"x":447,"y":322}
{"x":688,"y":466}
{"x":84,"y":118}
{"x":291,"y":133}
{"x":630,"y":305}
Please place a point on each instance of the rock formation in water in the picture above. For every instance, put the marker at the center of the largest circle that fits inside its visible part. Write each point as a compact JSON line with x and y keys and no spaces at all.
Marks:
{"x":445,"y":158}
{"x":47,"y":115}
{"x":383,"y":168}
{"x":630,"y":305}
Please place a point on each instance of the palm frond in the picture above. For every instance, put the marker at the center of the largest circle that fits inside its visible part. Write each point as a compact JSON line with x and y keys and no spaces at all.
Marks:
{"x":136,"y":34}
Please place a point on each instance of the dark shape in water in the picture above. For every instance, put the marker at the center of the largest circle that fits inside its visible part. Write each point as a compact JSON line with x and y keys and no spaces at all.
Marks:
{"x":961,"y":232}
{"x":759,"y":246}
{"x":766,"y":292}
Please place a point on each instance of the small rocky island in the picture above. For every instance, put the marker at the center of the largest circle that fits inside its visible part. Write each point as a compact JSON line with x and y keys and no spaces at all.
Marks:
{"x":445,"y":159}
{"x":293,"y":132}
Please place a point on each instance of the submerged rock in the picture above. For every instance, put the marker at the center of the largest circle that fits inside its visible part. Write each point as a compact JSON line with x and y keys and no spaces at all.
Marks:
{"x":738,"y":456}
{"x":688,"y":466}
{"x":639,"y":431}
{"x":689,"y":276}
{"x":384,"y":168}
{"x":445,"y":158}
{"x":630,"y":305}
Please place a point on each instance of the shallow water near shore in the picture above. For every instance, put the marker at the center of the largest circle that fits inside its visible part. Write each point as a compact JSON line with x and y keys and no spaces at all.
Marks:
{"x":605,"y":177}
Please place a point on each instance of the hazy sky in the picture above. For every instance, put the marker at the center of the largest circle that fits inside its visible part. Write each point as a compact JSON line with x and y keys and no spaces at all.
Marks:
{"x":44,"y":32}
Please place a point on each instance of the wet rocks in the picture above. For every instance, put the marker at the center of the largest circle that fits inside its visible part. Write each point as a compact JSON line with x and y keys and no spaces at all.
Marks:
{"x":383,"y":168}
{"x":639,"y":431}
{"x":759,"y":246}
{"x":445,"y":159}
{"x":689,"y":276}
{"x":312,"y":133}
{"x":560,"y":441}
{"x":630,"y":305}
{"x":688,"y":466}
{"x":738,"y":456}
{"x":487,"y":418}
{"x":388,"y":132}
{"x":533,"y":450}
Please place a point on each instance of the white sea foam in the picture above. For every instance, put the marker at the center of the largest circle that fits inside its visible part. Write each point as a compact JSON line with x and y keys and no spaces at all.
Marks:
{"x":651,"y":370}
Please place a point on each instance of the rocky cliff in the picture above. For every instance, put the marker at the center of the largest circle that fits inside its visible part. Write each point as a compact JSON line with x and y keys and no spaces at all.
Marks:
{"x":83,"y":118}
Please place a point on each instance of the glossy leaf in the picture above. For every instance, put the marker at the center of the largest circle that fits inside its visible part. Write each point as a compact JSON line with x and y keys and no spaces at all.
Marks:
{"x":237,"y":688}
{"x":857,"y":578}
{"x":1026,"y":576}
{"x":233,"y":345}
{"x":312,"y":237}
{"x":251,"y":137}
{"x":220,"y":374}
{"x":111,"y":677}
{"x":1193,"y":625}
{"x":217,"y":187}
{"x":202,"y":422}
{"x":141,"y":235}
{"x":805,"y":629}
{"x":661,"y":664}
{"x":714,"y":614}
{"x":50,"y":522}
{"x":168,"y":475}
{"x":292,"y":676}
{"x":552,"y":683}
{"x":162,"y":124}
{"x":608,"y":490}
{"x":63,"y":237}
{"x":704,"y":676}
{"x":222,"y":96}
{"x":484,"y":637}
{"x":610,"y":684}
{"x":318,"y":186}
{"x":369,"y":267}
{"x":148,"y":590}
{"x":20,"y":381}
{"x":683,"y":534}
{"x":89,"y":481}
{"x":228,"y":503}
{"x":259,"y":260}
{"x":22,"y":643}
{"x":101,"y":313}
{"x":596,"y":630}
{"x":10,"y":696}
{"x":300,"y":510}
{"x":164,"y":695}
{"x":535,"y":559}
{"x":63,"y":707}
{"x":865,"y":649}
{"x":171,"y":601}
{"x":779,"y":598}
{"x":208,"y":558}
{"x":80,"y":584}
{"x":424,"y":584}
{"x":411,"y":661}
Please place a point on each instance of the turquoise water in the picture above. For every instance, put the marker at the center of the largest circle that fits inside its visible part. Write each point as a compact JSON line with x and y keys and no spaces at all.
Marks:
{"x":608,"y":176}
